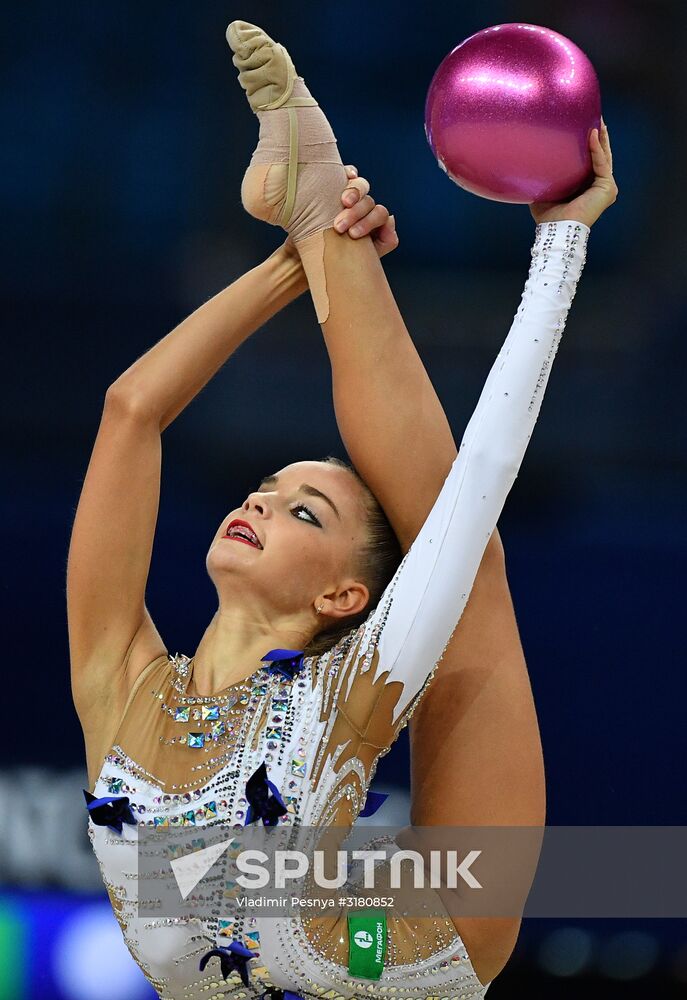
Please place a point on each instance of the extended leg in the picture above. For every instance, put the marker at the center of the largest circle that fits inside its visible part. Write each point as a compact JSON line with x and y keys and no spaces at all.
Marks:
{"x":476,"y":752}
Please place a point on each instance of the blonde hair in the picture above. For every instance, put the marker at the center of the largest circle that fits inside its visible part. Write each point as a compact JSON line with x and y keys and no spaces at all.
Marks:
{"x":374,"y":564}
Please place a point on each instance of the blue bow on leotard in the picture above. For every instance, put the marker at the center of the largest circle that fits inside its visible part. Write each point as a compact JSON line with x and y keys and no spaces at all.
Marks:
{"x":276,"y":994}
{"x":264,"y":800}
{"x":372,"y":803}
{"x":284,"y":661}
{"x":110,"y":810}
{"x":233,"y":958}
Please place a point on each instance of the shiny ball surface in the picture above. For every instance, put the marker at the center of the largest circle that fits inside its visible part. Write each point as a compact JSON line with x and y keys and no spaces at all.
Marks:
{"x":509,"y":113}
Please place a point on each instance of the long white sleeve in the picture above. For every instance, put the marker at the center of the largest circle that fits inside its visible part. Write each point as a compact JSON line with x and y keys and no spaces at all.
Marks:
{"x":422,"y":605}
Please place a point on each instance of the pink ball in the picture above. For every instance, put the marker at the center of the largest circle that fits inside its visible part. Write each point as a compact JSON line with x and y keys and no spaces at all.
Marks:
{"x":509,"y":113}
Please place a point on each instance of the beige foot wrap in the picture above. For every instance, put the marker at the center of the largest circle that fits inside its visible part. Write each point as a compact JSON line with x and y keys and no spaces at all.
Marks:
{"x":296,"y":175}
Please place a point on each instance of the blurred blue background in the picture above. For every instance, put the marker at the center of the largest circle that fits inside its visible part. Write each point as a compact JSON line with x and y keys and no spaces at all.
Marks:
{"x":125,"y":140}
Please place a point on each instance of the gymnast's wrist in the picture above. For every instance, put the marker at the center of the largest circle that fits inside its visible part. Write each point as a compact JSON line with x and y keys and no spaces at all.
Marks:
{"x":566,"y":236}
{"x":555,"y":227}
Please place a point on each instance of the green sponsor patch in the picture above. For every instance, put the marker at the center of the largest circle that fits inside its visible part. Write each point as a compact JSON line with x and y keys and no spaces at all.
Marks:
{"x":366,"y":943}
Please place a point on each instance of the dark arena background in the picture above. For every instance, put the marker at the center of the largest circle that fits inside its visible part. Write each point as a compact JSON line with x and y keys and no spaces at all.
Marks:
{"x":125,"y":138}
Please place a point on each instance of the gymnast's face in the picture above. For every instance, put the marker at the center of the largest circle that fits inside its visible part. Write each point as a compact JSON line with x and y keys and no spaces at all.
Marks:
{"x":308,"y":520}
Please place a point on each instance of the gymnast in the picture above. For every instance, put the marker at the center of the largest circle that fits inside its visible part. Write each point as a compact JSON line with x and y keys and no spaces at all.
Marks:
{"x":341,"y":622}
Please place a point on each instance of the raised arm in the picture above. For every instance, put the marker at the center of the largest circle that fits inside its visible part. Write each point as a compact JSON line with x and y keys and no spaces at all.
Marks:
{"x":422,"y":605}
{"x":427,"y":597}
{"x":111,"y":634}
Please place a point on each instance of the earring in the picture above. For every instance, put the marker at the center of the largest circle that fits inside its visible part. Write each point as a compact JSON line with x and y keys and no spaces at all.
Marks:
{"x":319,"y":608}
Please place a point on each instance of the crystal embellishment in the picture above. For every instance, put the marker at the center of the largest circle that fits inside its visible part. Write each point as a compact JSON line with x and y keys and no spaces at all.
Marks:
{"x":210,"y":712}
{"x":195,"y":739}
{"x":181,"y":662}
{"x":298,"y":766}
{"x":251,"y":939}
{"x":181,"y":714}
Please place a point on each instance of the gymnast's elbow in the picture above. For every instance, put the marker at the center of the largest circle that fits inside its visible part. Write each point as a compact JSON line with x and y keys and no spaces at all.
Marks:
{"x":494,"y":466}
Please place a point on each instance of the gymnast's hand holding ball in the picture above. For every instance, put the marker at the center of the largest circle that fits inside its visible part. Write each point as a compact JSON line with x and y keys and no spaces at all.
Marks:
{"x":513,"y":114}
{"x":601,"y":193}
